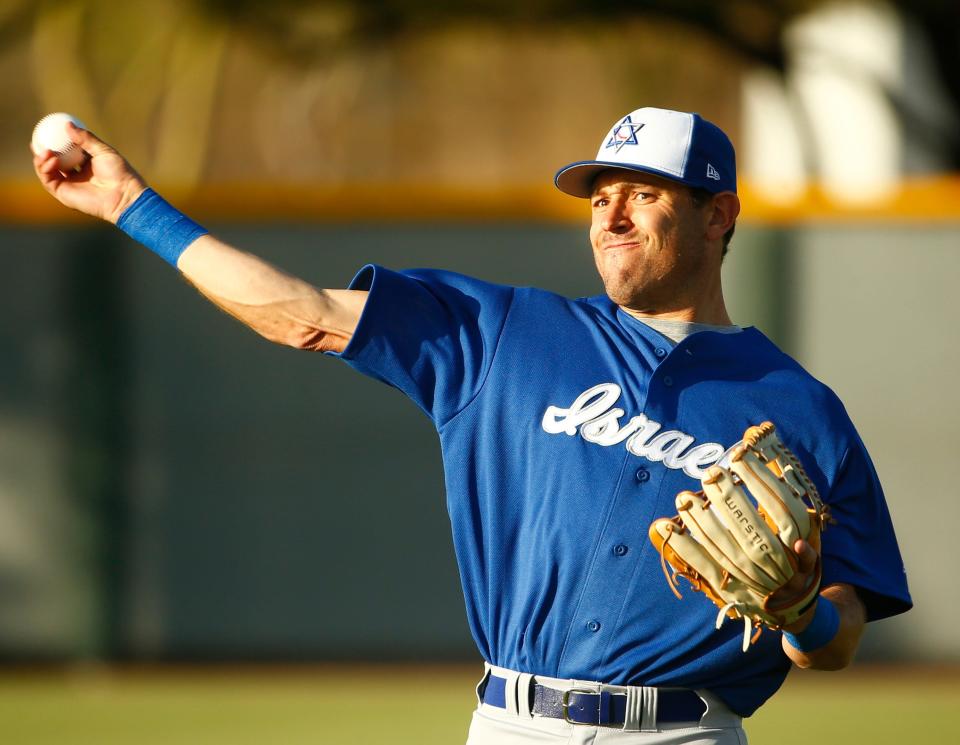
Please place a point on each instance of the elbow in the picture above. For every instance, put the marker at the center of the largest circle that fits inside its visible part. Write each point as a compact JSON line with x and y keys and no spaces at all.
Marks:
{"x":298,"y":337}
{"x":304,"y":338}
{"x":836,"y":655}
{"x":827,"y":660}
{"x":312,"y":339}
{"x":840,"y":658}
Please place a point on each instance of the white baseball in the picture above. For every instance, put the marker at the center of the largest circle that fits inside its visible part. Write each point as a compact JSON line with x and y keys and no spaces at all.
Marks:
{"x":51,"y":134}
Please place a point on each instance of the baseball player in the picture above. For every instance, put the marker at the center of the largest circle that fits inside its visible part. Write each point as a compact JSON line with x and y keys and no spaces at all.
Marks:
{"x":569,"y":427}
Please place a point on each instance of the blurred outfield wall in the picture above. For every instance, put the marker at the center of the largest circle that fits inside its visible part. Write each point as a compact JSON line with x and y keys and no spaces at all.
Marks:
{"x":173,"y":486}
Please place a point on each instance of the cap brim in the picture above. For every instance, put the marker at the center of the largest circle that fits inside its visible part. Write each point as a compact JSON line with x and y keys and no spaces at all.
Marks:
{"x":577,"y":178}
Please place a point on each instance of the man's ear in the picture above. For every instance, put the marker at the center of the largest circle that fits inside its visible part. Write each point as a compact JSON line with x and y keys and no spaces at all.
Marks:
{"x":724,"y":210}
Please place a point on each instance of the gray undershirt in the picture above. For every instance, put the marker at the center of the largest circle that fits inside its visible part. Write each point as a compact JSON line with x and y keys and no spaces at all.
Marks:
{"x":677,"y":331}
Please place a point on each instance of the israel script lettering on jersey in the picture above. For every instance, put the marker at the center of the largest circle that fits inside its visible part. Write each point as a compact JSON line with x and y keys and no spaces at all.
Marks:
{"x":598,"y":420}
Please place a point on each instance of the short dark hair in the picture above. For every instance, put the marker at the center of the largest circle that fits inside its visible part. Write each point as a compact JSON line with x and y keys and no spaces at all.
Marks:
{"x":700,"y":197}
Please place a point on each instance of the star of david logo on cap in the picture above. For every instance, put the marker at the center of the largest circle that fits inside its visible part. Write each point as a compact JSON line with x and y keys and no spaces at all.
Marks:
{"x":625,"y":133}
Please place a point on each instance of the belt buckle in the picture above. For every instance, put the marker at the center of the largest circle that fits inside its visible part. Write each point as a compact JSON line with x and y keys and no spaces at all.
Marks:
{"x":565,"y":703}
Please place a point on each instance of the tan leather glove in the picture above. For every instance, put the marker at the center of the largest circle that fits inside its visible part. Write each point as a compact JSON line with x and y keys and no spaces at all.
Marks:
{"x":738,"y":551}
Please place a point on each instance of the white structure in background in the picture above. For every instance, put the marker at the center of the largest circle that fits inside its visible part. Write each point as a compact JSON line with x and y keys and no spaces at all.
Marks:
{"x":831,"y":119}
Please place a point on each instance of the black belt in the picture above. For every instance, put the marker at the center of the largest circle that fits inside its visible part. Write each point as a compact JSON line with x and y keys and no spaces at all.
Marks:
{"x":578,"y":706}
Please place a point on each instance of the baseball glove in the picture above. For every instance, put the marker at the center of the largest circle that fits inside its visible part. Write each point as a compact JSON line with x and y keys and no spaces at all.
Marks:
{"x":739,"y":553}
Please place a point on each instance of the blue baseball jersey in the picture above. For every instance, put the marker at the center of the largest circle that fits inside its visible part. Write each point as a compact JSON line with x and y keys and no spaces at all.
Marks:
{"x":567,"y":427}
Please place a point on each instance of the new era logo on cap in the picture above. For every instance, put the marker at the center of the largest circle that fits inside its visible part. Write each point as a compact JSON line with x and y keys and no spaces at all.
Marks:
{"x":677,"y":145}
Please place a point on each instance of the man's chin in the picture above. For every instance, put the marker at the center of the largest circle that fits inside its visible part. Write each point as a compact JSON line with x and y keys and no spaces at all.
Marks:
{"x":626,"y":296}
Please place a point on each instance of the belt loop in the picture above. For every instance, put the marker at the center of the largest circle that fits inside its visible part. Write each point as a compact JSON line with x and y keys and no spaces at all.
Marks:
{"x":525,"y":695}
{"x":633,"y":714}
{"x":649,"y":721}
{"x":482,"y":685}
{"x":510,"y":690}
{"x":718,"y":714}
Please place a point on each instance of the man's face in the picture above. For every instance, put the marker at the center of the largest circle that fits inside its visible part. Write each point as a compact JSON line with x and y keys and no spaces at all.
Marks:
{"x":649,"y":240}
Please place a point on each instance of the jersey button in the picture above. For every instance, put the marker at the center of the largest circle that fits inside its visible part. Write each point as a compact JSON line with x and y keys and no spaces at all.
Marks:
{"x":593,"y":626}
{"x":620,"y":550}
{"x":667,"y":381}
{"x":660,"y":352}
{"x":643,"y":474}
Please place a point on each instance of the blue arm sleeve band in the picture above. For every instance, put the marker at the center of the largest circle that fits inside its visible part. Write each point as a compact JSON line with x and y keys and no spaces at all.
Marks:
{"x":820,"y":632}
{"x":162,"y":228}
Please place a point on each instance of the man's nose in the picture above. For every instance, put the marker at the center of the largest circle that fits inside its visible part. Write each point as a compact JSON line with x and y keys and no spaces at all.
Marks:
{"x":616,"y":220}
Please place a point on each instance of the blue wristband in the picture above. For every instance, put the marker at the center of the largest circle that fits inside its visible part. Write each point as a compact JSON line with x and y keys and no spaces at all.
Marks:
{"x":820,"y":632}
{"x":162,"y":228}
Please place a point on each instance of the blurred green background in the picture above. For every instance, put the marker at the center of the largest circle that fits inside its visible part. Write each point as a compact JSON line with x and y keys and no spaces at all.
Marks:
{"x":176,"y":492}
{"x":427,"y":704}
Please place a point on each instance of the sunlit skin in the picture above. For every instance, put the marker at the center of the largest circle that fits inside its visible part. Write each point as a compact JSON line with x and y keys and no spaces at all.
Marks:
{"x":657,"y":252}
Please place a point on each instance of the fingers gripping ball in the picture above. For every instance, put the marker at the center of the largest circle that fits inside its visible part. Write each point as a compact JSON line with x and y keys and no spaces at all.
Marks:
{"x":51,"y":134}
{"x":733,"y":541}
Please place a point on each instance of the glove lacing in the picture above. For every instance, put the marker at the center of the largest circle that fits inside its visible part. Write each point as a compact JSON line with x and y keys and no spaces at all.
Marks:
{"x":738,"y":607}
{"x":671,"y":576}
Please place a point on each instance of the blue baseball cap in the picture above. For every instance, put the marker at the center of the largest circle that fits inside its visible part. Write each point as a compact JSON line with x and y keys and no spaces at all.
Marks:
{"x":677,"y":145}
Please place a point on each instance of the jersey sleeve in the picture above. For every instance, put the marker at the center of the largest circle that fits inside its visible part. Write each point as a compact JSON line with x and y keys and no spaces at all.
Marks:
{"x":860,"y":548}
{"x":431,"y":334}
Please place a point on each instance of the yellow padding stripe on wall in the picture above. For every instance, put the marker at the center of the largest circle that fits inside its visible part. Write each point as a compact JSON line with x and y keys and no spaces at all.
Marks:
{"x":929,"y":200}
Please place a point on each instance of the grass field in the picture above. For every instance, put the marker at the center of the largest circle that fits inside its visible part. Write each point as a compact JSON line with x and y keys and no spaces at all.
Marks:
{"x":423,"y":705}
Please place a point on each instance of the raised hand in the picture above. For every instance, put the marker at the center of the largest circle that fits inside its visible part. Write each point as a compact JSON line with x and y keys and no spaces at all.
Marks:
{"x":103,"y":187}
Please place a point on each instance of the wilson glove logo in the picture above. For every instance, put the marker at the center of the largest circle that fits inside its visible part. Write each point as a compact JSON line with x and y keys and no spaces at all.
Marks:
{"x":594,"y":416}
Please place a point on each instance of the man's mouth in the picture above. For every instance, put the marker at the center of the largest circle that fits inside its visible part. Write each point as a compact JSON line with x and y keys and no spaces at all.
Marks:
{"x":621,"y":244}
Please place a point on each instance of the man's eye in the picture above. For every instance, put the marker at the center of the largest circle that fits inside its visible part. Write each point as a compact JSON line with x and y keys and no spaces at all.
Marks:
{"x":601,"y":202}
{"x":642,"y":196}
